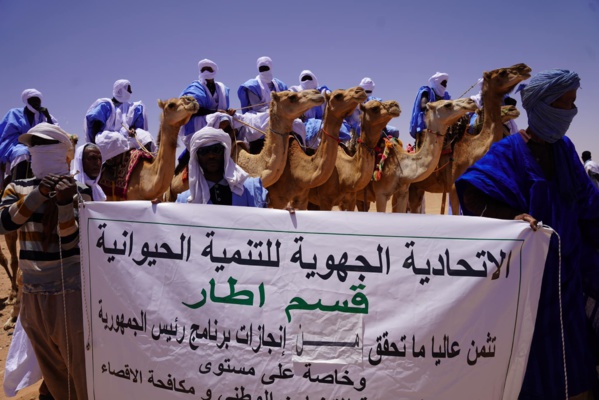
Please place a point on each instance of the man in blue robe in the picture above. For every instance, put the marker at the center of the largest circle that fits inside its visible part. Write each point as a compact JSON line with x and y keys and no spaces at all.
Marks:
{"x":214,"y":178}
{"x":117,"y":125}
{"x":536,"y":176}
{"x":14,"y":156}
{"x":254,"y":96}
{"x":436,"y":90}
{"x":211,"y":95}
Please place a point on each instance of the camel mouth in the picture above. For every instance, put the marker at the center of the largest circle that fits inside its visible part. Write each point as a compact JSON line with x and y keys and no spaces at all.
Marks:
{"x":394,"y":111}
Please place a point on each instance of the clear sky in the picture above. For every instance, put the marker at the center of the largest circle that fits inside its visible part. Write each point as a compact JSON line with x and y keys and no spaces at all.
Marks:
{"x":73,"y":51}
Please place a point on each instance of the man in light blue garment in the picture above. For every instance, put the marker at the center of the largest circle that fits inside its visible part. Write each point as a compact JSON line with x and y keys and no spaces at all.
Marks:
{"x":14,"y":156}
{"x":254,"y":96}
{"x":211,"y":95}
{"x":314,"y":116}
{"x":117,"y":125}
{"x":436,"y":90}
{"x":353,"y":120}
{"x":214,"y":178}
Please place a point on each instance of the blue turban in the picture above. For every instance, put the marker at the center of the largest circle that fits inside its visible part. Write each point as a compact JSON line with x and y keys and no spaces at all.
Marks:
{"x":547,"y":122}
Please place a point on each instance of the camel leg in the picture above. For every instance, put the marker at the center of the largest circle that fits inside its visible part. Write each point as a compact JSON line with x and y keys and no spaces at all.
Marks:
{"x":381,"y":202}
{"x":16,"y":307}
{"x":415,"y":199}
{"x":4,"y":263}
{"x":454,"y":201}
{"x":400,"y":201}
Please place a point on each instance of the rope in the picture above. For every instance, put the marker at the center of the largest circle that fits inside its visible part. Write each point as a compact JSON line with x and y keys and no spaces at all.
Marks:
{"x":259,"y":130}
{"x":469,"y":89}
{"x":64,"y":308}
{"x":255,"y":105}
{"x":141,"y":146}
{"x":561,"y":313}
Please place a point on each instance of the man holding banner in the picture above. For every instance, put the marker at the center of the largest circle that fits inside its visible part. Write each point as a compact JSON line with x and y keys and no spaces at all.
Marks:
{"x":536,"y":176}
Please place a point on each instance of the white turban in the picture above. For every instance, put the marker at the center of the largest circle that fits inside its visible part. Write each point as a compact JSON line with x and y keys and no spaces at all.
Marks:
{"x":80,"y":175}
{"x":29,"y":93}
{"x":308,"y":84}
{"x":207,"y":74}
{"x":51,"y":158}
{"x":234,"y":175}
{"x":367,"y":84}
{"x":120,"y":92}
{"x":264,"y":76}
{"x":435,"y":83}
{"x":213,"y":120}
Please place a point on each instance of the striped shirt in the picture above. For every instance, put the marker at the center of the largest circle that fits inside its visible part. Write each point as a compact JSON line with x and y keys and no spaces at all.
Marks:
{"x":22,"y":208}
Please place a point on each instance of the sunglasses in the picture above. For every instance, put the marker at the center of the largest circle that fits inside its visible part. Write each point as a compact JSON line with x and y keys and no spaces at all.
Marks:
{"x":214,"y":149}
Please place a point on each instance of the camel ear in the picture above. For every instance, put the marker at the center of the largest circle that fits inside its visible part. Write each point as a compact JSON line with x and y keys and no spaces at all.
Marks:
{"x":161,"y":104}
{"x":327,"y":96}
{"x":486,"y":75}
{"x":274,"y":95}
{"x":362,"y":108}
{"x":428,"y":106}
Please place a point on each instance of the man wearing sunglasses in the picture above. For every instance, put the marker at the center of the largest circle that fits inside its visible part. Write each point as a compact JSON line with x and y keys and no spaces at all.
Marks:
{"x":214,"y":178}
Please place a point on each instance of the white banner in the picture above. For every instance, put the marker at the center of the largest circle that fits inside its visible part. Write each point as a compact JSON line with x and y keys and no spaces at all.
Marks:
{"x":211,"y":302}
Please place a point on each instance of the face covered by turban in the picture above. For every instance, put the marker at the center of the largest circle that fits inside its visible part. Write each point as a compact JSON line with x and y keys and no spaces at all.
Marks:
{"x":50,"y":158}
{"x":435,"y":83}
{"x":120,"y":91}
{"x":265,"y":76}
{"x":547,"y":122}
{"x":29,"y":93}
{"x":308,"y":80}
{"x":207,"y":74}
{"x":367,"y":84}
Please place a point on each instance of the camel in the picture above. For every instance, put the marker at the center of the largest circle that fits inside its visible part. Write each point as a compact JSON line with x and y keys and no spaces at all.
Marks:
{"x":470,"y":148}
{"x":352,"y":173}
{"x":151,"y":178}
{"x":402,"y":168}
{"x":270,"y":163}
{"x":303,"y":171}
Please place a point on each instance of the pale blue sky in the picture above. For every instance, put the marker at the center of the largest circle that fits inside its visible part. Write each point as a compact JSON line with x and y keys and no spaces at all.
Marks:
{"x":73,"y":51}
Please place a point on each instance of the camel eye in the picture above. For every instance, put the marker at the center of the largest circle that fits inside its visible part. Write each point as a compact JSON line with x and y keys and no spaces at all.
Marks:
{"x":376,"y":109}
{"x":338,"y":96}
{"x":171,"y":105}
{"x":503,"y":72}
{"x":293,"y":97}
{"x":448,"y":105}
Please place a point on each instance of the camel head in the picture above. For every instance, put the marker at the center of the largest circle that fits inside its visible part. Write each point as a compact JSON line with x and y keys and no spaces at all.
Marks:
{"x":375,"y":116}
{"x":443,"y":113}
{"x":342,"y":102}
{"x":509,"y":113}
{"x":291,"y":105}
{"x":378,"y":112}
{"x":176,"y":112}
{"x":501,"y":81}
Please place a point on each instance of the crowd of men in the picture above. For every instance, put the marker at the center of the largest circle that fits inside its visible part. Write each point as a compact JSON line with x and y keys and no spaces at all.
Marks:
{"x":45,"y":179}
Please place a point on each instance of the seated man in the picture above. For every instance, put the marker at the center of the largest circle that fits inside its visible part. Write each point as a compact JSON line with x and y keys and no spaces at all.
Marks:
{"x":354,"y":120}
{"x":117,"y":125}
{"x":436,"y":90}
{"x":254,"y":96}
{"x":86,"y":168}
{"x":214,"y":178}
{"x":14,"y":156}
{"x":211,"y":95}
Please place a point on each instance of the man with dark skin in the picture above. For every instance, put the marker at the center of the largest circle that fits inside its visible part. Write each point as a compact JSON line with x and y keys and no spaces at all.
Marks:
{"x":17,"y":121}
{"x":92,"y":161}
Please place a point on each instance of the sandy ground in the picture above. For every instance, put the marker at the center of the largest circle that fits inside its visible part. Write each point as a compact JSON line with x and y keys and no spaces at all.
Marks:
{"x":433,"y":206}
